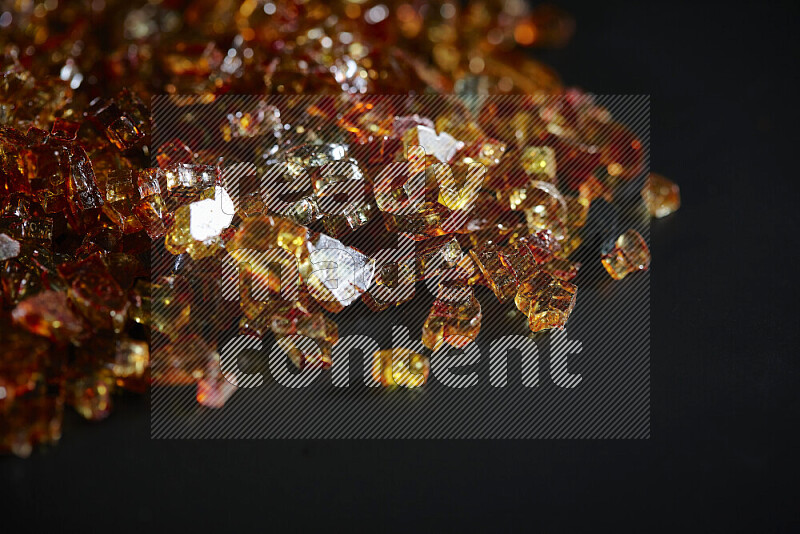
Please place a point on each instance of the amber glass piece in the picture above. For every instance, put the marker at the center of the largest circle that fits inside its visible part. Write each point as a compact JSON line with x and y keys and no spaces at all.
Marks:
{"x":400,"y":367}
{"x":24,"y":362}
{"x":122,"y":120}
{"x":120,"y":197}
{"x":661,"y":195}
{"x":434,"y":255}
{"x":528,"y":292}
{"x":90,"y":394}
{"x":50,"y":315}
{"x":65,"y":130}
{"x":213,"y":389}
{"x":95,"y":293}
{"x":48,"y":166}
{"x":169,"y":305}
{"x":105,"y":237}
{"x":182,"y":361}
{"x":83,"y":196}
{"x":454,"y":318}
{"x":552,"y":306}
{"x":519,"y":259}
{"x":561,"y":268}
{"x":179,"y":238}
{"x":500,"y":278}
{"x":542,"y":244}
{"x":34,"y":418}
{"x":577,"y":212}
{"x":150,"y":213}
{"x":307,"y":339}
{"x":13,"y":169}
{"x":630,"y":254}
{"x":173,"y":152}
{"x":197,"y":227}
{"x":151,"y":181}
{"x":131,"y":359}
{"x":547,"y":301}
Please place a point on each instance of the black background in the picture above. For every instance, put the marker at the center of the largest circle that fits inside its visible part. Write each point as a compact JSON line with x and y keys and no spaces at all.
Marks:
{"x":723,"y":362}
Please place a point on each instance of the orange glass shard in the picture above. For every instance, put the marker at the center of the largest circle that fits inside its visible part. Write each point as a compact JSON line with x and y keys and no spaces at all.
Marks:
{"x":48,"y":168}
{"x":84,"y":198}
{"x":542,"y":245}
{"x":547,"y":301}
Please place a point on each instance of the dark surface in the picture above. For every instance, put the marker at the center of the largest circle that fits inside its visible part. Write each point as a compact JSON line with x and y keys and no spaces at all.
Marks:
{"x":723,"y":359}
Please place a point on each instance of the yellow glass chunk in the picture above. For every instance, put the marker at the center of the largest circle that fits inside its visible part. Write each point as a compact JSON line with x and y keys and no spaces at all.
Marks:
{"x":400,"y":367}
{"x":539,"y":162}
